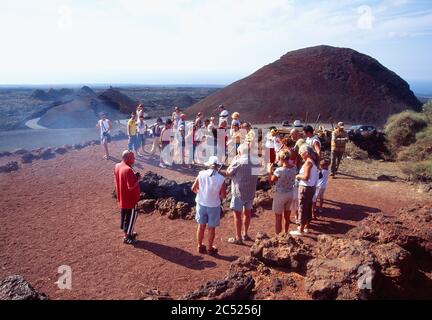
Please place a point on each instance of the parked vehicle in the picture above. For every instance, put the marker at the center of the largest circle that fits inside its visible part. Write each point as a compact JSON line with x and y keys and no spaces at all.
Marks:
{"x":363,"y":130}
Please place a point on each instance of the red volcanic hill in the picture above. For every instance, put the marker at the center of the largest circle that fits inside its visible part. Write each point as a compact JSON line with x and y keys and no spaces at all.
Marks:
{"x":339,"y":83}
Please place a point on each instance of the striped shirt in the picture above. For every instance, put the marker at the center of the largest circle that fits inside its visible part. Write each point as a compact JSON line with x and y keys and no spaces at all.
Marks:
{"x":243,"y":182}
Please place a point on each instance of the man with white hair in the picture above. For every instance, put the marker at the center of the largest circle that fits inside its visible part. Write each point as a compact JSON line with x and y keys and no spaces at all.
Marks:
{"x":243,"y":188}
{"x":128,"y":194}
{"x":209,"y":187}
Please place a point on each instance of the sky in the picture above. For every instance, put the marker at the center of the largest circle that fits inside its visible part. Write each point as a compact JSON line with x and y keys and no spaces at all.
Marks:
{"x":200,"y":41}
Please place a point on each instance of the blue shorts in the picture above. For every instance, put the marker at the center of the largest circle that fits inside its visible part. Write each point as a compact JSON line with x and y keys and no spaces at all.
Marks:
{"x":238,"y":204}
{"x":208,"y":215}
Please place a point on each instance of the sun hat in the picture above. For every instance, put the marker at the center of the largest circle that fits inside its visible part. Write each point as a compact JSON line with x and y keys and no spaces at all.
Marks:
{"x":224,"y":114}
{"x":213,"y":160}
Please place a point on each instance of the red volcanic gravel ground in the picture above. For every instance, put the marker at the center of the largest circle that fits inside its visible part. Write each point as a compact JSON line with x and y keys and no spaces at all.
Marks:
{"x":60,"y":212}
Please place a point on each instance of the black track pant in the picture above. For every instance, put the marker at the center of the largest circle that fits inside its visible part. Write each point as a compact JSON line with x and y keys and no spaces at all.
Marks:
{"x":127,"y":220}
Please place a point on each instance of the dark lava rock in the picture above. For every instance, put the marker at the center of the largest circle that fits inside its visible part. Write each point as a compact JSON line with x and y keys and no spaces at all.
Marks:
{"x":235,"y":286}
{"x":263,"y":200}
{"x":146,"y":205}
{"x":9,"y":167}
{"x":60,"y":150}
{"x":263,"y":184}
{"x":47,"y":154}
{"x":173,"y":209}
{"x":29,"y":157}
{"x":78,"y":146}
{"x":158,"y":187}
{"x":17,"y":288}
{"x":282,"y":251}
{"x":358,"y":269}
{"x":20,"y":151}
{"x":5,"y":154}
{"x":384,"y":177}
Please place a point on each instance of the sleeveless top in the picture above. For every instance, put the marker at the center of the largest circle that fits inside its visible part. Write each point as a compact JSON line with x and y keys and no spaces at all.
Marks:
{"x":209,"y":188}
{"x":313,"y":177}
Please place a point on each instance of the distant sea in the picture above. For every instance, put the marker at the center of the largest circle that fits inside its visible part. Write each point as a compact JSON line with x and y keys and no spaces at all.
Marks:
{"x":421,"y":88}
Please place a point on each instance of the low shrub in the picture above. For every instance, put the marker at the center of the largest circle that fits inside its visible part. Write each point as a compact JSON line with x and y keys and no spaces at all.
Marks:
{"x":355,"y":152}
{"x":420,"y":150}
{"x":401,"y":128}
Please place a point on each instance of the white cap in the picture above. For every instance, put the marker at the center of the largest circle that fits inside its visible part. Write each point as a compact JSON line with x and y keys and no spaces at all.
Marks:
{"x":224,"y":114}
{"x":297,"y":123}
{"x":212,"y":161}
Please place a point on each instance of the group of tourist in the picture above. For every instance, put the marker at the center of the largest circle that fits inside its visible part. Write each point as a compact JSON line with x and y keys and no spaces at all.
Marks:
{"x":296,"y":166}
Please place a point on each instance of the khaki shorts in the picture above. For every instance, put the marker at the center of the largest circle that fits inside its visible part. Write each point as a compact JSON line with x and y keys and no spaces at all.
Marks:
{"x":282,"y":202}
{"x":294,"y":204}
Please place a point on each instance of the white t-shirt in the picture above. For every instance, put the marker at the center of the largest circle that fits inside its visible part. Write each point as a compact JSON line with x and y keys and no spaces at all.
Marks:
{"x":142,"y":127}
{"x":322,"y":183}
{"x":270,"y":141}
{"x":104,"y":126}
{"x":311,"y":141}
{"x":209,"y":188}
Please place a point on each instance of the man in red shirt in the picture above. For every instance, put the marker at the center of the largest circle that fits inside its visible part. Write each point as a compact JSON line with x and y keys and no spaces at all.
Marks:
{"x":128,"y":194}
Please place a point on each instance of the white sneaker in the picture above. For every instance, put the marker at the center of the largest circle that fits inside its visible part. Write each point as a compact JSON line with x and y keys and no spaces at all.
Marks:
{"x":162,"y":165}
{"x":296,"y":233}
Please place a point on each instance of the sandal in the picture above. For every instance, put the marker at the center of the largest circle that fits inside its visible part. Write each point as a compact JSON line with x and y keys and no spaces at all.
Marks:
{"x":202,"y":249}
{"x":235,"y":241}
{"x":246,"y":238}
{"x":213,"y":251}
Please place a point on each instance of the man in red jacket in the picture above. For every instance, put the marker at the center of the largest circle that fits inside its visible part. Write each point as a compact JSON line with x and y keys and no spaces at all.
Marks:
{"x":128,"y":194}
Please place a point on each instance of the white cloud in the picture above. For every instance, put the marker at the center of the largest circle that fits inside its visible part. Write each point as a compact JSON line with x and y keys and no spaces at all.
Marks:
{"x":65,"y":17}
{"x":366,"y":18}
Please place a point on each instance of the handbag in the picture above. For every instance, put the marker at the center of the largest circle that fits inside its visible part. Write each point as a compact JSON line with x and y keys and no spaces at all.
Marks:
{"x":105,"y":133}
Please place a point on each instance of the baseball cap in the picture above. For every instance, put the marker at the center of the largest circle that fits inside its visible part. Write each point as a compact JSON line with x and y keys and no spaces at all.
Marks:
{"x":340,"y":124}
{"x":212,"y":161}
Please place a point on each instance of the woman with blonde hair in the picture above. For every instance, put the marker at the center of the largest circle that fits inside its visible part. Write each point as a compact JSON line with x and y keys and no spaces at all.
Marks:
{"x":283,"y":178}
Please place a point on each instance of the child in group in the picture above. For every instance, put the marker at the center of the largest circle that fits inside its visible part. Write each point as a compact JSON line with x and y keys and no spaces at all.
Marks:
{"x":320,"y":188}
{"x":235,"y":140}
{"x":284,"y":179}
{"x":235,"y":120}
{"x":142,"y":132}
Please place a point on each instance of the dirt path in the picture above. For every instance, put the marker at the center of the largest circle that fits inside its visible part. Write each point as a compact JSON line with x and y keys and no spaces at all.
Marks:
{"x":60,"y":212}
